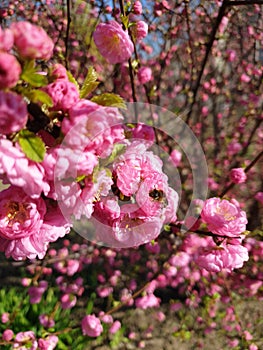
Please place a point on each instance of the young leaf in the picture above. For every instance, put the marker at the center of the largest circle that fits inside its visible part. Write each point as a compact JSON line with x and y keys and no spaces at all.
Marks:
{"x":34,"y":79}
{"x":72,"y":79}
{"x":32,"y":145}
{"x":109,"y":99}
{"x":40,"y":96}
{"x":90,"y":83}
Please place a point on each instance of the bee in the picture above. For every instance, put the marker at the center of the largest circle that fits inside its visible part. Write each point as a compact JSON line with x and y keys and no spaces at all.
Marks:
{"x":158,"y":195}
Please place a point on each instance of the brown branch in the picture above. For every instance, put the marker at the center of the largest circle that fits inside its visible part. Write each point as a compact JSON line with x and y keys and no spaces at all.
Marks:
{"x":248,"y":2}
{"x":209,"y":46}
{"x":67,"y":33}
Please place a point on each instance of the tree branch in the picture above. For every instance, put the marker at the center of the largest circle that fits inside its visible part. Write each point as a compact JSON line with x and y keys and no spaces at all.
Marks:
{"x":67,"y":33}
{"x":220,"y":16}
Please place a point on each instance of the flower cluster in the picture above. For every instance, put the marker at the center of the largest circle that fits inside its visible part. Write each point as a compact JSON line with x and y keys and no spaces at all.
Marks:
{"x":226,"y":221}
{"x":99,"y":169}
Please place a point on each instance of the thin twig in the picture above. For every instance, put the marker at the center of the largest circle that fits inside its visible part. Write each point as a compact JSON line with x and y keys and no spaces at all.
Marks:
{"x":220,"y":16}
{"x":248,"y":2}
{"x":67,"y":33}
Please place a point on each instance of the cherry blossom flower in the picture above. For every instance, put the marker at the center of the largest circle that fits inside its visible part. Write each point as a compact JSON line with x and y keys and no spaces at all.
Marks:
{"x":17,"y":169}
{"x":32,"y":41}
{"x":10,"y":70}
{"x":25,"y":340}
{"x":147,"y":301}
{"x":224,"y":218}
{"x":139,"y":30}
{"x":64,"y":94}
{"x":91,"y":326}
{"x":259,"y":197}
{"x":238,"y":175}
{"x":113,"y":42}
{"x":36,"y":292}
{"x":8,"y":334}
{"x":137,"y":8}
{"x":13,"y":112}
{"x":48,"y":343}
{"x":144,"y":75}
{"x":225,"y":257}
{"x":26,"y":228}
{"x":115,"y":327}
{"x":6,"y":39}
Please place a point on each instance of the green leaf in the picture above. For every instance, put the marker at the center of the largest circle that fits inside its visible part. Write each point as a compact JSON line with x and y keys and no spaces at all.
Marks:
{"x":40,"y":96}
{"x":90,"y":83}
{"x":34,"y":79}
{"x":125,"y":21}
{"x":32,"y":145}
{"x":109,"y":99}
{"x":31,"y":76}
{"x":72,"y":79}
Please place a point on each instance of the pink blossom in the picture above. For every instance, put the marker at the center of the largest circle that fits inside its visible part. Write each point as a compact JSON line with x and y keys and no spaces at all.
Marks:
{"x":32,"y":41}
{"x":91,"y":326}
{"x":131,"y":229}
{"x":245,"y":78}
{"x":49,"y":343}
{"x":25,"y":340}
{"x":68,"y":301}
{"x":224,"y":217}
{"x":36,"y":292}
{"x":253,"y":347}
{"x":10,"y":70}
{"x":115,"y":327}
{"x":105,"y":318}
{"x":151,"y":195}
{"x":93,"y":128}
{"x":5,"y":317}
{"x":248,"y":335}
{"x":104,"y":292}
{"x":238,"y":175}
{"x":231,"y":55}
{"x":142,"y":132}
{"x":113,"y":42}
{"x":139,"y":30}
{"x":137,"y":8}
{"x":17,"y":169}
{"x":46,"y":321}
{"x":8,"y":335}
{"x":64,"y":94}
{"x":25,"y":227}
{"x":144,"y":75}
{"x":226,"y":256}
{"x":233,"y":148}
{"x":259,"y":197}
{"x":6,"y":39}
{"x":21,"y":216}
{"x":13,"y":112}
{"x":59,"y":72}
{"x":175,"y":157}
{"x":147,"y":301}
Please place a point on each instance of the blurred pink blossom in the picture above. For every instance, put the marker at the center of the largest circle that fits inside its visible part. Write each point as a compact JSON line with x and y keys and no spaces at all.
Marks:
{"x":144,"y":75}
{"x":91,"y":326}
{"x":32,"y":41}
{"x":13,"y":112}
{"x":238,"y":175}
{"x":10,"y":70}
{"x":6,"y":39}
